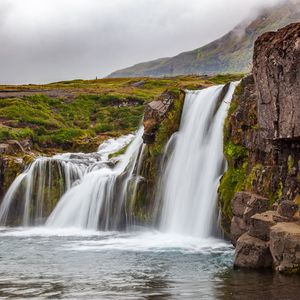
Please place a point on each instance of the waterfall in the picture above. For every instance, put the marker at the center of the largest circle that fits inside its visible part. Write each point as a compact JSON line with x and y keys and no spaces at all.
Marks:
{"x":34,"y":193}
{"x":30,"y":196}
{"x":100,"y":200}
{"x":191,"y":177}
{"x":94,"y":191}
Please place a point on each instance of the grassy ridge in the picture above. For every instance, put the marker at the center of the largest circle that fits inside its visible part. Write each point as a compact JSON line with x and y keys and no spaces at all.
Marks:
{"x":79,"y":114}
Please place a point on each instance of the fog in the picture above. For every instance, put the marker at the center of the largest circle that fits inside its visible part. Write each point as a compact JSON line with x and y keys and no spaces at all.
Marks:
{"x":51,"y":40}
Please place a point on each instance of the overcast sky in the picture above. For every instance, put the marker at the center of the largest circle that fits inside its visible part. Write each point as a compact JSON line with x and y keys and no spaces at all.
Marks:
{"x":51,"y":40}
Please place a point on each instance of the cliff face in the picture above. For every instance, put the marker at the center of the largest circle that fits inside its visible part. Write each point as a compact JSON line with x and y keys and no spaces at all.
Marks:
{"x":262,"y":185}
{"x":277,"y":76}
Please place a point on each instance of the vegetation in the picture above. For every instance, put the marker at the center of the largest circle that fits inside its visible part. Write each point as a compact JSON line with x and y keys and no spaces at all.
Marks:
{"x":79,"y":114}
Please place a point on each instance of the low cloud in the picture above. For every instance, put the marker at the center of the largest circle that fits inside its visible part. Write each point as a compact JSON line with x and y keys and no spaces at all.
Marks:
{"x":50,"y":40}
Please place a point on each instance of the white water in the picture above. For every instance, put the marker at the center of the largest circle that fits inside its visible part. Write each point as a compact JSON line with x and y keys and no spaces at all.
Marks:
{"x":33,"y":193}
{"x":100,"y":200}
{"x":193,"y":171}
{"x":99,"y":193}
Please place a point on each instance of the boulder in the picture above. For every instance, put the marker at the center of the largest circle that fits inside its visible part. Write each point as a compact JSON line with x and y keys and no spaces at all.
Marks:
{"x":260,"y":225}
{"x":255,"y":205}
{"x":155,"y":112}
{"x":276,"y":65}
{"x":285,"y":247}
{"x":239,"y":203}
{"x":288,"y":209}
{"x":252,"y":253}
{"x":238,"y":227}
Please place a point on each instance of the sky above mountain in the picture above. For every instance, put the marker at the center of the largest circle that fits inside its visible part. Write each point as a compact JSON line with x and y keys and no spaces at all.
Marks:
{"x":51,"y":40}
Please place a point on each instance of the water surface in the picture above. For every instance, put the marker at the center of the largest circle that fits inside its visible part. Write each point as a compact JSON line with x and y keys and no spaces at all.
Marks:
{"x":69,"y":264}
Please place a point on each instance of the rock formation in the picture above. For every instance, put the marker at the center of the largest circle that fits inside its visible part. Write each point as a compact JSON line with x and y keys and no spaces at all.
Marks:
{"x":262,"y":146}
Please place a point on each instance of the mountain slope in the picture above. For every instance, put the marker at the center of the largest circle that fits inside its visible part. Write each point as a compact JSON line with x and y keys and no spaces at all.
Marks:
{"x":229,"y":54}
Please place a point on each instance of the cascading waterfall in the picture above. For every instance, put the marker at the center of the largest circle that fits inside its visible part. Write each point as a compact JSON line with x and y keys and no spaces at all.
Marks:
{"x":96,"y":192}
{"x":101,"y":198}
{"x":191,"y":177}
{"x":29,"y":198}
{"x":34,"y":193}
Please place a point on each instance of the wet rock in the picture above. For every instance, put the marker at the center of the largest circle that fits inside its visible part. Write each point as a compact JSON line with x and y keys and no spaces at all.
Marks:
{"x":276,"y":66}
{"x":285,"y":247}
{"x":255,"y":205}
{"x":10,"y":168}
{"x":260,"y":225}
{"x":238,"y":227}
{"x":252,"y":252}
{"x":288,"y":209}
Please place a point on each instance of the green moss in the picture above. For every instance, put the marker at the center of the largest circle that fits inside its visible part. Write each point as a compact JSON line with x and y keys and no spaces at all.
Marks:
{"x":252,"y":176}
{"x":232,"y":181}
{"x":297,"y":199}
{"x":169,"y":125}
{"x":7,"y":133}
{"x":234,"y":152}
{"x":226,"y":78}
{"x":290,"y":163}
{"x":118,"y":153}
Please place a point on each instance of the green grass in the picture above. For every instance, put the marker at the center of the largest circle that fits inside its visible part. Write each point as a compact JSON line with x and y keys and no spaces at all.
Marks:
{"x":85,"y":111}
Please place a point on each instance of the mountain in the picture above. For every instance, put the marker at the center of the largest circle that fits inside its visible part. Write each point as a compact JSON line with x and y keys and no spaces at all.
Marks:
{"x":232,"y":53}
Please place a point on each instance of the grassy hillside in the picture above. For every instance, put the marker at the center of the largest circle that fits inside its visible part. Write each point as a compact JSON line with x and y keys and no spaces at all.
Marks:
{"x":78,"y":115}
{"x":229,"y":54}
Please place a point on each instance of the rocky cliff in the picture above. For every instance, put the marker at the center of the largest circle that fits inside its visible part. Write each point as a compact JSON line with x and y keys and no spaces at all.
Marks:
{"x":260,"y":192}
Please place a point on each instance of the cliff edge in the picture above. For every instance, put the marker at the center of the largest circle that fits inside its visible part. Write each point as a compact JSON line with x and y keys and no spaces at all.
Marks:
{"x":260,"y":192}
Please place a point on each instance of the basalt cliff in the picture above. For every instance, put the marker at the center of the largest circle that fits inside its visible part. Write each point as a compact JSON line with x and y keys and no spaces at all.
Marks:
{"x":260,"y":192}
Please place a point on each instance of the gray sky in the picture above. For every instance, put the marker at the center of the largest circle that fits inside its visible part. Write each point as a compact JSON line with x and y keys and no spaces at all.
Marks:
{"x":51,"y":40}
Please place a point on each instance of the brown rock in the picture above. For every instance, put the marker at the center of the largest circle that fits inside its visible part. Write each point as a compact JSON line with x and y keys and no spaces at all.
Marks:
{"x":252,"y":253}
{"x":11,"y":147}
{"x":255,"y":205}
{"x":238,"y":227}
{"x":278,"y":218}
{"x":155,"y":112}
{"x":260,"y":225}
{"x":239,"y":203}
{"x":285,"y":247}
{"x":276,"y":72}
{"x":288,"y":209}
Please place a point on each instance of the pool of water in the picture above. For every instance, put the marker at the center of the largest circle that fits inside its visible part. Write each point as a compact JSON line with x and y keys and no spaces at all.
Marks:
{"x":39,"y":263}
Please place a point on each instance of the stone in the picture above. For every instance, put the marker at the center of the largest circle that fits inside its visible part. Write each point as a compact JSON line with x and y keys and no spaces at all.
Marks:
{"x":285,"y":247}
{"x":276,"y":65}
{"x":278,"y":218}
{"x":154,"y":114}
{"x":255,"y":205}
{"x":288,"y":209}
{"x":252,"y":253}
{"x":239,"y":203}
{"x":11,"y":147}
{"x":238,"y":227}
{"x":260,"y":225}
